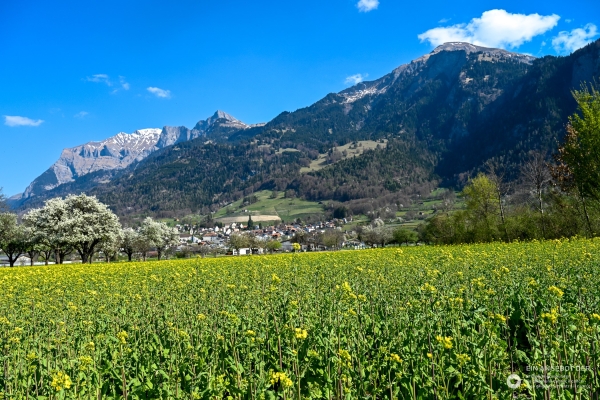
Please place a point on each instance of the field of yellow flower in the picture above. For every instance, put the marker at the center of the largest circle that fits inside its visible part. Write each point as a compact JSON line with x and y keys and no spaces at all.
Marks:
{"x":409,"y":323}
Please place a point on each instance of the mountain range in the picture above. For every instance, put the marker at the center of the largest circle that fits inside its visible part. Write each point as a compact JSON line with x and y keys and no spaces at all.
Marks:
{"x":121,"y":150}
{"x":442,"y":116}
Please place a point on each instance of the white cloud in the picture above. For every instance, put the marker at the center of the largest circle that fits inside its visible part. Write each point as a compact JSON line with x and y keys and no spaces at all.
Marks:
{"x":567,"y":42}
{"x":367,"y":5}
{"x":81,"y":114}
{"x":495,"y":28}
{"x":159,"y":92}
{"x":14,"y":120}
{"x":124,"y":83}
{"x":354,"y":79}
{"x":99,"y":78}
{"x":444,"y":20}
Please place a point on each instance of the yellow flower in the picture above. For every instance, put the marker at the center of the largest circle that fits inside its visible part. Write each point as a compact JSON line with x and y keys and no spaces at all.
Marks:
{"x":183,"y":335}
{"x":85,"y":362}
{"x":345,"y":357}
{"x":275,"y":279}
{"x":200,"y":317}
{"x":60,"y":381}
{"x":500,"y":318}
{"x":429,"y":355}
{"x":14,"y":340}
{"x":282,"y":378}
{"x":301,"y":333}
{"x":462,"y":359}
{"x":346,"y":287}
{"x":428,"y":288}
{"x":532,"y":282}
{"x":445,"y":341}
{"x":250,"y":332}
{"x":122,"y":336}
{"x":313,"y":354}
{"x":90,"y":346}
{"x":557,"y":292}
{"x":551,"y":317}
{"x":595,"y":317}
{"x":395,"y":357}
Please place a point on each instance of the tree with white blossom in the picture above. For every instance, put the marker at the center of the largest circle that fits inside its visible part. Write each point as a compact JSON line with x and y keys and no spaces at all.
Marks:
{"x":77,"y":222}
{"x":159,"y":235}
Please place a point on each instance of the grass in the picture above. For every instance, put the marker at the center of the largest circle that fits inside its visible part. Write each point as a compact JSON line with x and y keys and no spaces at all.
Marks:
{"x":362,"y":146}
{"x":280,"y":208}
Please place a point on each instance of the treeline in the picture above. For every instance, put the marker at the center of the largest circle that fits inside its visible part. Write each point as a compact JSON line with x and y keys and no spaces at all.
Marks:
{"x":549,"y":200}
{"x":78,"y":224}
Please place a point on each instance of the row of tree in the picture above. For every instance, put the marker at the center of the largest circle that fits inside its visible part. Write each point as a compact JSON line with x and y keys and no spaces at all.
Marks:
{"x":79,"y":224}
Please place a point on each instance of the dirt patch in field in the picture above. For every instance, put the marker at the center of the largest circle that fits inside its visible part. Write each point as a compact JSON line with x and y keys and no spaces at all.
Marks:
{"x":244,"y":218}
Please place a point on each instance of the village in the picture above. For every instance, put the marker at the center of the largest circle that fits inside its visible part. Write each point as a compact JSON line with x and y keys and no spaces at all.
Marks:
{"x":320,"y":236}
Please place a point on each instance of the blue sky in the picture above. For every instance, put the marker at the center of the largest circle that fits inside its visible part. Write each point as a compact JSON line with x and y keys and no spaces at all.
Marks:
{"x":75,"y":71}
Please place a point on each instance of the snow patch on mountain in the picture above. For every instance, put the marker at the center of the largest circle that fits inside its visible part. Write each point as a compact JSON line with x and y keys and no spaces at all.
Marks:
{"x":123,"y":149}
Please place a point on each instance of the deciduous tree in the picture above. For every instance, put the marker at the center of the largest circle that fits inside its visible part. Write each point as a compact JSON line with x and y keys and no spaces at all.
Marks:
{"x":578,"y":158}
{"x":13,"y":241}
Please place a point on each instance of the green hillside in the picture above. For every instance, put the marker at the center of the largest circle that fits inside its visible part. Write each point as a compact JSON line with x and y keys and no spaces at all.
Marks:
{"x":263,"y":207}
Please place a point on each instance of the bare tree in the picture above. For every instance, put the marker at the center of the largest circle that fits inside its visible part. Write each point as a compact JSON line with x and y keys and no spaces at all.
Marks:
{"x":4,"y":208}
{"x":536,"y":176}
{"x":203,"y":249}
{"x":448,"y":200}
{"x":497,"y":174}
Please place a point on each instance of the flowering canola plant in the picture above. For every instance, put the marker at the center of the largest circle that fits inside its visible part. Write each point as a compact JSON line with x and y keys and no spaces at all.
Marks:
{"x":409,"y":322}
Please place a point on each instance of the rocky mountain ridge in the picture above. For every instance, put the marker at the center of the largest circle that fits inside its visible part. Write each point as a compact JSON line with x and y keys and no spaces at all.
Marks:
{"x":123,"y":149}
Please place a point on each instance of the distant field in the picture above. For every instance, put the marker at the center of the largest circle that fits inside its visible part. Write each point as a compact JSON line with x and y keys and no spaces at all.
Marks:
{"x":267,"y":209}
{"x":362,"y":145}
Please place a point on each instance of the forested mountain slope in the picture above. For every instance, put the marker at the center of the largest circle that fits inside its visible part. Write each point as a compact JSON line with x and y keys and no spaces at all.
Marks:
{"x":443,"y":115}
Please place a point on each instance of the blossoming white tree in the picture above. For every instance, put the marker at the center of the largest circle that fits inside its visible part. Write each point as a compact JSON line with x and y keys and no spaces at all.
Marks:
{"x":158,"y":234}
{"x":129,"y":241}
{"x":77,"y":222}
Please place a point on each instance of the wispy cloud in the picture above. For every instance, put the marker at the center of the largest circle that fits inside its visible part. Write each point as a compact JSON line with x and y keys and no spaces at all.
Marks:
{"x":158,"y":92}
{"x":367,"y":5}
{"x":354,"y":79}
{"x":81,"y":114}
{"x":15,"y":120}
{"x":99,"y":78}
{"x":124,"y":83}
{"x":104,"y":78}
{"x":495,"y":28}
{"x":444,"y":20}
{"x":567,"y":42}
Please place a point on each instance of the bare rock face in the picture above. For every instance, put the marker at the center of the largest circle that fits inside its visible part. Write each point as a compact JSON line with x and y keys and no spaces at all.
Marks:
{"x":453,"y":59}
{"x":176,"y":134}
{"x":115,"y":152}
{"x":121,"y":150}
